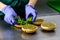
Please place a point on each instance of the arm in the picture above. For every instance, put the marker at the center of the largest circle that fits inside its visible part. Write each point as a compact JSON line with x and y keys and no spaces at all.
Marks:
{"x":2,"y":6}
{"x":32,"y":2}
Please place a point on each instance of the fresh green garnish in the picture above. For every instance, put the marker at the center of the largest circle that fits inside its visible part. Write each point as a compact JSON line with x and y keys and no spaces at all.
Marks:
{"x":22,"y":22}
{"x":29,"y":20}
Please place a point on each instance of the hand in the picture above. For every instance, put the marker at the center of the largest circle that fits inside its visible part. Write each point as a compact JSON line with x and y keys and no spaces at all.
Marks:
{"x":9,"y":14}
{"x":30,"y":10}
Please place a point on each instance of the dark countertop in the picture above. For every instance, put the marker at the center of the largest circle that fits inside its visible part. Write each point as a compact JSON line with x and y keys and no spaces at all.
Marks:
{"x":8,"y":34}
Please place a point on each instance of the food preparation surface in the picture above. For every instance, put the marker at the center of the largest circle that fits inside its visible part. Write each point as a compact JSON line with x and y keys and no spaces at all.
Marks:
{"x":9,"y":34}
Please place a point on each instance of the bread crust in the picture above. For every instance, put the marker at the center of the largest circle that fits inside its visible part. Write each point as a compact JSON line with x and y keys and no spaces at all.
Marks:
{"x":38,"y":22}
{"x":29,"y":30}
{"x":48,"y":28}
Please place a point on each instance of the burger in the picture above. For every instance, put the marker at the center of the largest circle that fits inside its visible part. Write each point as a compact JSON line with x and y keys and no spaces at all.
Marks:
{"x":18,"y":26}
{"x":48,"y":26}
{"x":29,"y":28}
{"x":38,"y":22}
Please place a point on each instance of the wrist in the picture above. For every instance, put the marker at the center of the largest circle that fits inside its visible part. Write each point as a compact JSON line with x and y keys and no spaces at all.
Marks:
{"x":32,"y":2}
{"x":30,"y":6}
{"x":2,"y":6}
{"x":5,"y":9}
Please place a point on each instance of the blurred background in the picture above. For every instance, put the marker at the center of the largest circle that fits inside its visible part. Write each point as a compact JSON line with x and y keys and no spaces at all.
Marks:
{"x":44,"y":9}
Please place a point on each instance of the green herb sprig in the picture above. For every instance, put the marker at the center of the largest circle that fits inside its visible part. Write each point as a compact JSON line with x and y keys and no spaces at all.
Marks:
{"x":22,"y":22}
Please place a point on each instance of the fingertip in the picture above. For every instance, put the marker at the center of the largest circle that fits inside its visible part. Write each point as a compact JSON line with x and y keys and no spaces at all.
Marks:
{"x":26,"y":17}
{"x":34,"y":18}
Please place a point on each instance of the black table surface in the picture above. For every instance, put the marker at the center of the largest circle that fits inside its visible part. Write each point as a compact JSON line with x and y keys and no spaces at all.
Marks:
{"x":8,"y":34}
